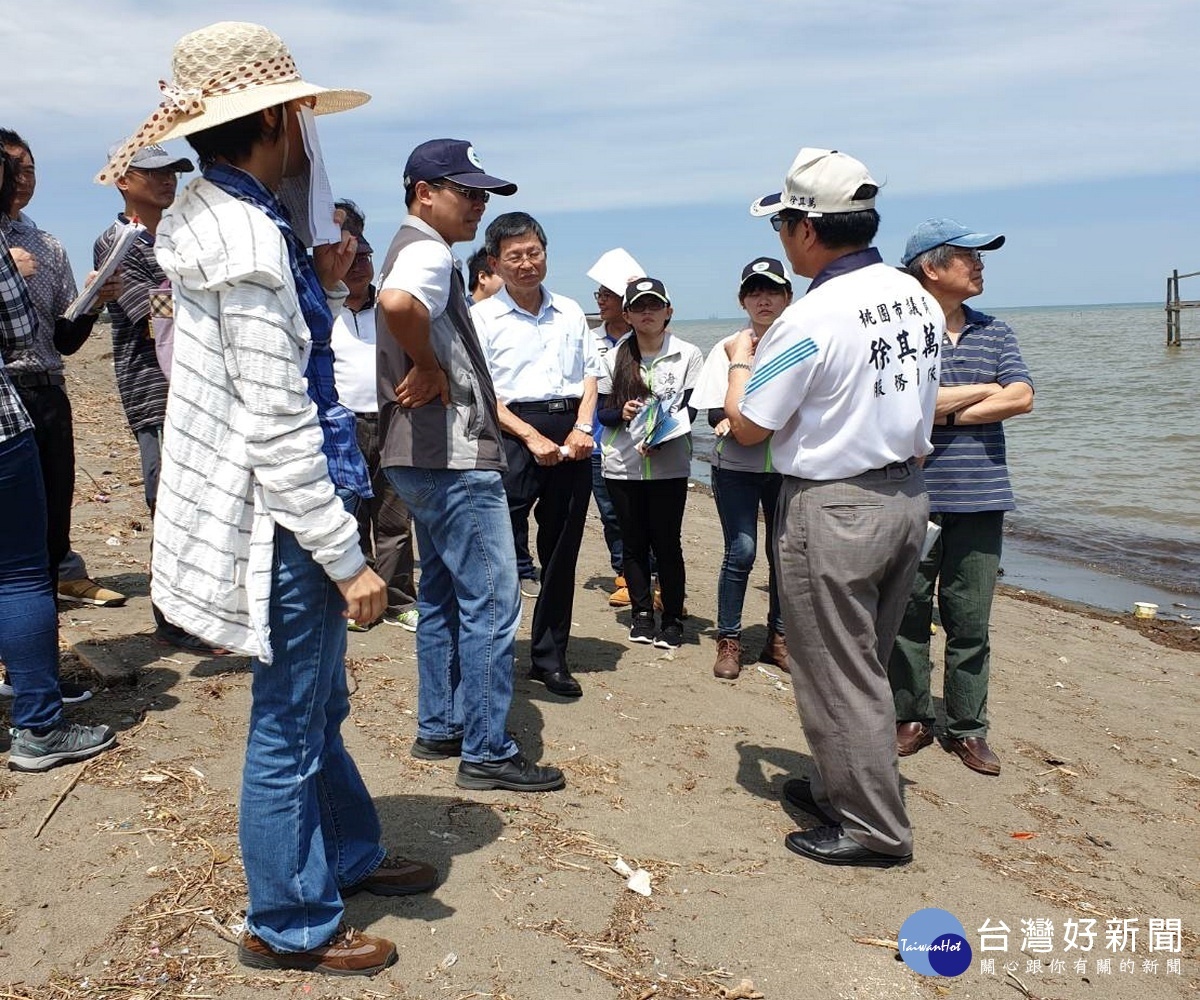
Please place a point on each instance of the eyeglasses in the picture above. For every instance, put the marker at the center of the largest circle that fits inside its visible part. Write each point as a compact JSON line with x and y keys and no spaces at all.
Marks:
{"x":471,"y":194}
{"x":778,"y":219}
{"x":645,"y":304}
{"x":158,"y":173}
{"x":535,"y":256}
{"x":605,"y":295}
{"x":970,"y":256}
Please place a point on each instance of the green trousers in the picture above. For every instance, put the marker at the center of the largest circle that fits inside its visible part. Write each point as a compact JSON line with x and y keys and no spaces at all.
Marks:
{"x":962,"y":564}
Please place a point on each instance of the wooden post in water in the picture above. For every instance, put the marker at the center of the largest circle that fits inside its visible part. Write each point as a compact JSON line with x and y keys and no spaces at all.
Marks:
{"x":1175,"y":307}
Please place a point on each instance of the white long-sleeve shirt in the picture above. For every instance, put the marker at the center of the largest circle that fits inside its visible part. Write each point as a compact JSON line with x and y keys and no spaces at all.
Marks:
{"x":241,"y":442}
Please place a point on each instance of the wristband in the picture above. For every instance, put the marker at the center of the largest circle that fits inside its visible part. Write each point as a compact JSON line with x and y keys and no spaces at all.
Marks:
{"x":950,"y":419}
{"x":740,"y":364}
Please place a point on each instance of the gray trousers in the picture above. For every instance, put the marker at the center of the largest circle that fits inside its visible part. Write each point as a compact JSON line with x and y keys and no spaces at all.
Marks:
{"x":847,"y":554}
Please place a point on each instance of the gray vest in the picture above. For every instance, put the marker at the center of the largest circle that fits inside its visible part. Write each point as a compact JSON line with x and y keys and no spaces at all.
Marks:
{"x":463,"y":435}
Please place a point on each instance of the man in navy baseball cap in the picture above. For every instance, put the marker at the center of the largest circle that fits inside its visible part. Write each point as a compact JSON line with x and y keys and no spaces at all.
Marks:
{"x":453,"y":160}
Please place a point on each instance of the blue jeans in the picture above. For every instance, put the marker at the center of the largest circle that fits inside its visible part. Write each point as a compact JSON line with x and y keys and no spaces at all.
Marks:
{"x":28,"y":618}
{"x":307,"y":825}
{"x":608,"y":515}
{"x":738,"y":496}
{"x":469,"y":601}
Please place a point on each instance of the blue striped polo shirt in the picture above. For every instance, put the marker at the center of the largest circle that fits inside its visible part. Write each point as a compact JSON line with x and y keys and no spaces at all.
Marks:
{"x":967,"y":471}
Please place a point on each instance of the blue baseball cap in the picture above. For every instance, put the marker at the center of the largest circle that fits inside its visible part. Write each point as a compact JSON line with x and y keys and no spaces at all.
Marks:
{"x":453,"y":160}
{"x":936,"y":232}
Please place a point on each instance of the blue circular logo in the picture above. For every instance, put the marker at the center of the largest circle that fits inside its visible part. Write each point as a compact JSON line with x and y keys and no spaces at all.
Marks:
{"x":934,"y":943}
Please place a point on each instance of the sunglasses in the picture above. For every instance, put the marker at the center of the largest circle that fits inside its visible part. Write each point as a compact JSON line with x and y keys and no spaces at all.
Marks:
{"x":471,"y":194}
{"x":645,"y":304}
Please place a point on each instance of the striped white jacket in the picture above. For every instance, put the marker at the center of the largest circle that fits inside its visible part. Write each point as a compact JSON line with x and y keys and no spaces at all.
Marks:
{"x":241,"y":442}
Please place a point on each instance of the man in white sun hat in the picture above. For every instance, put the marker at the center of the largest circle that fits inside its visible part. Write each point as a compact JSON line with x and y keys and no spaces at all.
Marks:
{"x":256,"y":543}
{"x":847,"y":380}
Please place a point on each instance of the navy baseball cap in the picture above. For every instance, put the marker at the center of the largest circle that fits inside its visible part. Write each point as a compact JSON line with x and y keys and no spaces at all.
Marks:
{"x":640,"y":288}
{"x":453,"y":160}
{"x":766,"y":267}
{"x":936,"y":232}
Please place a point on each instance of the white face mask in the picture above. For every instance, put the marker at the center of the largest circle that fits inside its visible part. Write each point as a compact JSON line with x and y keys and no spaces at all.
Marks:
{"x":308,"y":197}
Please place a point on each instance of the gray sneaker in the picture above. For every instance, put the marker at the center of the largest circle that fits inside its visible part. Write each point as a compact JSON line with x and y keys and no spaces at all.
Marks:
{"x":407,"y":620}
{"x":59,"y":746}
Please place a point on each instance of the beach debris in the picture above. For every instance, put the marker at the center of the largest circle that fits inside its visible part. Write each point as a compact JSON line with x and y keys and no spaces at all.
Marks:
{"x":1022,"y":835}
{"x":113,"y":541}
{"x":1063,"y":659}
{"x":742,"y":991}
{"x":638,"y":881}
{"x":62,"y":796}
{"x":875,"y":942}
{"x":450,"y":959}
{"x":1100,"y":842}
{"x":766,"y":673}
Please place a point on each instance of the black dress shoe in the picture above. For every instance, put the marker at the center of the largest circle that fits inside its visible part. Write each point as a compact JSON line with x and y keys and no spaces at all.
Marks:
{"x":830,"y":846}
{"x":513,"y":774}
{"x":425,"y":749}
{"x":798,"y":792}
{"x":559,"y":682}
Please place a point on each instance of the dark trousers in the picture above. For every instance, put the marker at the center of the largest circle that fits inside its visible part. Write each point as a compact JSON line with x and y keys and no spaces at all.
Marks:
{"x":558,"y":497}
{"x":385,"y":526}
{"x":50,"y":410}
{"x":963,"y":562}
{"x":651,"y":516}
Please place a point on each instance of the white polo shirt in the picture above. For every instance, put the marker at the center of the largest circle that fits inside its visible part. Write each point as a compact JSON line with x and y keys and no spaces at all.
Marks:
{"x":847,"y":377}
{"x":669,"y":375}
{"x":539,"y":356}
{"x":353,"y":345}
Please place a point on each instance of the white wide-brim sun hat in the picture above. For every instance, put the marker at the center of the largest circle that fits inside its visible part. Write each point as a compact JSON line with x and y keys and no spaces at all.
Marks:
{"x":221,"y":73}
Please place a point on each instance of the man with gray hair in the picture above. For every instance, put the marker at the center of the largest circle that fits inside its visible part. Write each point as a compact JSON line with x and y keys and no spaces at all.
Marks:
{"x":984,"y":382}
{"x":846,"y":379}
{"x":545,"y":366}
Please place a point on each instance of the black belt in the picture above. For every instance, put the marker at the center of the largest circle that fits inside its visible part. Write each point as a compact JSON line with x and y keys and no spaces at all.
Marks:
{"x":35,"y":380}
{"x":561,"y":405}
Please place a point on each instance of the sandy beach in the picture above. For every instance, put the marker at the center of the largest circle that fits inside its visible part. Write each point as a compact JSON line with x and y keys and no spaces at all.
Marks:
{"x":121,"y":876}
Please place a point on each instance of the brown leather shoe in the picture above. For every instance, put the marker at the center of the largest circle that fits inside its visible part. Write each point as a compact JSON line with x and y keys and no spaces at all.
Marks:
{"x":396,"y":876}
{"x":729,"y":659}
{"x":911,"y":737}
{"x":775,"y":652}
{"x":974,"y":752}
{"x":350,"y":953}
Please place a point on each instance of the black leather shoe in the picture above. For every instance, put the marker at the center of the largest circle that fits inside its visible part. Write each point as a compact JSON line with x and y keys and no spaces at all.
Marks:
{"x":559,"y":682}
{"x":424,"y":749}
{"x":513,"y":774}
{"x":830,"y":846}
{"x":798,"y":792}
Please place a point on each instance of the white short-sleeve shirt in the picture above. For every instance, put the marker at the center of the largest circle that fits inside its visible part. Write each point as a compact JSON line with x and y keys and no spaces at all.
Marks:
{"x":423,"y":269}
{"x":847,"y":377}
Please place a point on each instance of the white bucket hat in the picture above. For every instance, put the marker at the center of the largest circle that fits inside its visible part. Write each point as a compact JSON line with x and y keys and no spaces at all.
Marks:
{"x":224,"y":72}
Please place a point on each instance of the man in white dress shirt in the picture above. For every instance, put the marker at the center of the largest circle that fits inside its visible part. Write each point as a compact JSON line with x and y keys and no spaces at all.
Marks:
{"x":384,"y":524}
{"x":545,"y":366}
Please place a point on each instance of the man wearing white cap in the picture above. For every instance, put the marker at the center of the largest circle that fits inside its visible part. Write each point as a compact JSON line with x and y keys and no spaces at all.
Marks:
{"x":984,"y":382}
{"x":847,"y":380}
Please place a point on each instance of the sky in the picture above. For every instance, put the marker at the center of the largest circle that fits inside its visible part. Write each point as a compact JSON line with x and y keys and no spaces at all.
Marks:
{"x":1067,"y":125}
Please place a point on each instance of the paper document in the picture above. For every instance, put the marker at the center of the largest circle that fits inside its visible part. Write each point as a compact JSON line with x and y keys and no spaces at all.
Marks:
{"x":931,"y":535}
{"x":86,"y":299}
{"x":320,"y":194}
{"x":654,"y":424}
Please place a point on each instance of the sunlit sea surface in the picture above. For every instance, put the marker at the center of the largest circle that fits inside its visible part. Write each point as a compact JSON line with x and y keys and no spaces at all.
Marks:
{"x":1107,"y":467}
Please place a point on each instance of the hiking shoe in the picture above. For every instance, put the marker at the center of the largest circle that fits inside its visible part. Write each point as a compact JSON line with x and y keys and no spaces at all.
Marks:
{"x":173,"y":635}
{"x":70,"y":692}
{"x":775,"y":652}
{"x":396,"y":876}
{"x":87,"y":591}
{"x":658,"y":604}
{"x":619,"y":598}
{"x":530,"y":587}
{"x":59,"y":746}
{"x":729,"y":659}
{"x":513,"y":774}
{"x":406,"y":620}
{"x":424,"y":748}
{"x":642,"y":629}
{"x":670,"y":636}
{"x":349,"y":953}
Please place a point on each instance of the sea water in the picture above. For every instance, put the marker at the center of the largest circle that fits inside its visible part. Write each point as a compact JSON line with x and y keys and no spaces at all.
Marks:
{"x":1106,"y":468}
